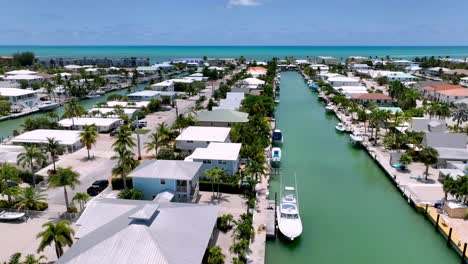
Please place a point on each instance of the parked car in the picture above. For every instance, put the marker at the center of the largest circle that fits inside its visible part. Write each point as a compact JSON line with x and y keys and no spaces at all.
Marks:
{"x":114,"y":132}
{"x":97,"y":187}
{"x":142,"y":124}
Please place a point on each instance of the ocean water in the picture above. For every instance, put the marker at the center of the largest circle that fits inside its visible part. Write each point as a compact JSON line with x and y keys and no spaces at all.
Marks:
{"x":161,"y":53}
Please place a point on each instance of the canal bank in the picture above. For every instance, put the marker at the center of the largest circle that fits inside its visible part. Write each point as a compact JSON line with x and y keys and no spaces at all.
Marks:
{"x":350,"y":211}
{"x":8,"y":126}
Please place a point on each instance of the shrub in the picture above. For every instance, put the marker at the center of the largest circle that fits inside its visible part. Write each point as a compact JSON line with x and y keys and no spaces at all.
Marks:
{"x":154,"y":106}
{"x":131,"y":194}
{"x":41,"y":206}
{"x":27,"y":177}
{"x":5,"y":204}
{"x":117,"y":183}
{"x":232,"y":188}
{"x":72,"y":209}
{"x":224,"y":222}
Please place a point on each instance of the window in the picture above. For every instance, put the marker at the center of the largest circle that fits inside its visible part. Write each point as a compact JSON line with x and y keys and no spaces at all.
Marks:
{"x":189,"y":141}
{"x":222,"y":162}
{"x":163,"y":181}
{"x":207,"y":161}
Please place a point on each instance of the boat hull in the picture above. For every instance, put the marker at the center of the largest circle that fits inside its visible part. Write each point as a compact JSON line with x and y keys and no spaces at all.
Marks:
{"x":291,"y":229}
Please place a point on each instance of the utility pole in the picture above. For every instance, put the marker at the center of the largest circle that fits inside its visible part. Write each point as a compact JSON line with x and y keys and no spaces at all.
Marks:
{"x":138,"y":136}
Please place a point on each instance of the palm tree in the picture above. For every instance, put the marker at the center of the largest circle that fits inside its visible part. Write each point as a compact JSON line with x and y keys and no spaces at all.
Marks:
{"x":214,"y":174}
{"x":8,"y":173}
{"x":378,"y":117}
{"x":215,"y":256}
{"x":122,"y":169}
{"x":29,"y":198}
{"x":73,"y":109}
{"x":29,"y":259}
{"x":81,"y":198}
{"x":124,"y":140}
{"x":154,"y":143}
{"x":61,"y":234}
{"x":460,"y":113}
{"x":62,"y":178}
{"x":33,"y":155}
{"x":428,"y":156}
{"x":409,"y":98}
{"x":165,"y":132}
{"x":53,"y":147}
{"x":256,"y":169}
{"x":89,"y":137}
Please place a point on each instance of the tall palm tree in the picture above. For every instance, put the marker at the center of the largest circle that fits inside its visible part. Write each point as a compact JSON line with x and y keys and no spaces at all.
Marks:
{"x":61,"y":234}
{"x":62,"y":178}
{"x":256,"y":169}
{"x":53,"y":147}
{"x":124,"y":139}
{"x":165,"y":132}
{"x":81,"y":198}
{"x":8,"y":173}
{"x":29,"y":259}
{"x":460,"y":113}
{"x":89,"y":137}
{"x":377,"y":117}
{"x":32,"y":156}
{"x":154,"y":143}
{"x":73,"y":109}
{"x":122,"y":169}
{"x":428,"y":156}
{"x":214,"y":174}
{"x":29,"y":198}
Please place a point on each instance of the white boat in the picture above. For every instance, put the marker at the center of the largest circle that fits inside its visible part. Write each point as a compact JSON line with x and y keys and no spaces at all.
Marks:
{"x":356,"y":139}
{"x":277,"y":136}
{"x":277,"y":101}
{"x":11,"y":215}
{"x":340,"y":127}
{"x":47,"y":106}
{"x":275,"y":155}
{"x":289,"y":219}
{"x":329,"y":108}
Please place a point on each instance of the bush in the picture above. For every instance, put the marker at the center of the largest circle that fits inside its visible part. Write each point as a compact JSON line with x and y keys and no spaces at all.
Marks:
{"x":117,"y":183}
{"x":27,"y":177}
{"x":224,"y":222}
{"x":72,"y":209}
{"x":231,"y":188}
{"x":41,"y":206}
{"x":131,"y":194}
{"x":154,"y":106}
{"x":5,"y":204}
{"x":166,"y":153}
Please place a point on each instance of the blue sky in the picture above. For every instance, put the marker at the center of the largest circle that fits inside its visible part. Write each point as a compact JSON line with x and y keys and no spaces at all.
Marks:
{"x":234,"y":22}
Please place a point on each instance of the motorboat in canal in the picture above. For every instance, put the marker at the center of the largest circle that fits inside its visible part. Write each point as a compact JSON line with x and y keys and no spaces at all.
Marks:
{"x":356,"y":139}
{"x":277,"y":101}
{"x":275,"y":156}
{"x":277,"y":136}
{"x":289,"y":219}
{"x":47,"y":106}
{"x":329,"y":108}
{"x":340,"y":127}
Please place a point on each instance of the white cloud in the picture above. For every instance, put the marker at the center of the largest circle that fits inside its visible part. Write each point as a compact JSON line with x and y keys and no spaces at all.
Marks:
{"x":243,"y":3}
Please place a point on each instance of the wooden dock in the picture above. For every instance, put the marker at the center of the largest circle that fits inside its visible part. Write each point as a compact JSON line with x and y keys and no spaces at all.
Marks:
{"x":271,"y":220}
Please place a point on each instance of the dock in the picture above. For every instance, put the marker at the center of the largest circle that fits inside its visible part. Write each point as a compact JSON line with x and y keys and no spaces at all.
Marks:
{"x":271,"y":220}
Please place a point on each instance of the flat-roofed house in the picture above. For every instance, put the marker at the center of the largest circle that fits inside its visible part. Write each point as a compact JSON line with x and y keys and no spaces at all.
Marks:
{"x":221,"y":155}
{"x":452,"y":95}
{"x":432,"y":91}
{"x":257,"y":71}
{"x":9,"y":154}
{"x":167,"y":85}
{"x":372,"y":98}
{"x":421,"y":124}
{"x":67,"y":138}
{"x":122,"y":231}
{"x":102,"y":124}
{"x":21,"y":98}
{"x":450,"y":146}
{"x":464,"y":81}
{"x":221,"y":118}
{"x":400,"y":76}
{"x":343,"y":81}
{"x":179,"y":177}
{"x":113,"y":112}
{"x":146,"y":95}
{"x":194,"y":137}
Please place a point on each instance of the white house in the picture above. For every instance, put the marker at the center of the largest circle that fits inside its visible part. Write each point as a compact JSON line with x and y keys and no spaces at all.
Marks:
{"x":233,"y":101}
{"x":137,"y":105}
{"x":401,"y":76}
{"x":402,"y":63}
{"x":257,"y":71}
{"x":110,"y":112}
{"x":435,"y":70}
{"x":195,"y":137}
{"x":327,"y":60}
{"x":321,"y":68}
{"x":167,"y":85}
{"x":9,"y":154}
{"x":343,"y":81}
{"x":360,"y":67}
{"x":464,"y":81}
{"x":21,"y":72}
{"x":21,"y":98}
{"x":102,"y":124}
{"x":197,"y":77}
{"x":221,"y":155}
{"x":348,"y":90}
{"x":66,"y":138}
{"x":252,"y":83}
{"x":144,"y":96}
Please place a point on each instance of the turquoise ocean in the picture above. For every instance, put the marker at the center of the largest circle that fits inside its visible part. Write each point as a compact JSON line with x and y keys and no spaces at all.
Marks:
{"x":161,"y":53}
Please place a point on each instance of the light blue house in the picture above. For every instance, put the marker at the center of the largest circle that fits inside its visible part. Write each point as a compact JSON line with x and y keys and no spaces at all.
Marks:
{"x":221,"y":155}
{"x":176,"y":176}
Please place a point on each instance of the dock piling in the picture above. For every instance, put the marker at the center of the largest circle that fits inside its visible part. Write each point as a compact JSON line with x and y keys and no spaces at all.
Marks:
{"x":437,"y":222}
{"x":425,"y":214}
{"x":463,"y":255}
{"x":449,"y":238}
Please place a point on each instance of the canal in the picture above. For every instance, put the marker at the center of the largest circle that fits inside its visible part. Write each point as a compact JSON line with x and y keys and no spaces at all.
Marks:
{"x":8,"y":126}
{"x":351,"y":213}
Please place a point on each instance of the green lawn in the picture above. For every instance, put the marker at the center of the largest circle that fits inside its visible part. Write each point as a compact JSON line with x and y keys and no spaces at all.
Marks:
{"x":143,"y":131}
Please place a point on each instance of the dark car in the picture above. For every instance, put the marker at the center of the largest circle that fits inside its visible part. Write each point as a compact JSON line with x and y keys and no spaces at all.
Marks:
{"x":113,"y":132}
{"x":97,"y":187}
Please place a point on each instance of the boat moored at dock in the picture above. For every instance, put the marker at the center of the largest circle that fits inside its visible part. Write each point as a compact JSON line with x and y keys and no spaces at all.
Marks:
{"x":275,"y":156}
{"x":340,"y":127}
{"x":277,"y":137}
{"x":289,"y":219}
{"x":356,"y":139}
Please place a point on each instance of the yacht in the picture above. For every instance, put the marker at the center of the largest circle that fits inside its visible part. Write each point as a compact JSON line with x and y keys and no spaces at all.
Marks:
{"x":277,"y":136}
{"x":289,"y":220}
{"x":47,"y":106}
{"x":329,"y":108}
{"x":340,"y":127}
{"x":275,"y":156}
{"x":356,"y":139}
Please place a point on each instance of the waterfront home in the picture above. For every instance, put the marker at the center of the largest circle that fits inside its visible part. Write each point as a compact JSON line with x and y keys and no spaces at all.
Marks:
{"x":221,"y":61}
{"x":320,"y":68}
{"x":450,"y":146}
{"x":146,"y":95}
{"x":70,"y":140}
{"x":20,"y":98}
{"x":421,"y":124}
{"x":328,"y":60}
{"x":350,"y":90}
{"x":221,"y":118}
{"x":112,"y":112}
{"x":196,"y":77}
{"x":221,"y":155}
{"x":29,"y":78}
{"x":256,"y":71}
{"x":194,"y":137}
{"x":400,"y":76}
{"x":167,"y":85}
{"x":233,"y":101}
{"x":339,"y":81}
{"x":251,"y":83}
{"x":325,"y":75}
{"x":137,"y":105}
{"x":401,"y":63}
{"x":144,"y":232}
{"x":102,"y":124}
{"x":9,"y":154}
{"x":360,"y":67}
{"x":464,"y":81}
{"x":431,"y":90}
{"x":435,"y":71}
{"x":379,"y":99}
{"x":179,"y":177}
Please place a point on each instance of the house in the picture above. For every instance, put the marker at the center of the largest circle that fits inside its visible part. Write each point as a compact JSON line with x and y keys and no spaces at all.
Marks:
{"x":112,"y":112}
{"x":431,"y":91}
{"x":372,"y":98}
{"x":145,"y":232}
{"x":257,"y":71}
{"x":21,"y":72}
{"x":251,"y":83}
{"x":450,"y":146}
{"x":179,"y":177}
{"x":9,"y":154}
{"x":435,"y":71}
{"x":221,"y":61}
{"x":20,"y":98}
{"x":343,"y":81}
{"x":167,"y":85}
{"x":401,"y":63}
{"x":400,"y":76}
{"x":221,"y":118}
{"x":320,"y":68}
{"x":196,"y":77}
{"x":328,"y":60}
{"x":137,"y":105}
{"x":144,"y":96}
{"x":325,"y":75}
{"x":350,"y":90}
{"x":194,"y":137}
{"x":233,"y":101}
{"x":390,"y":109}
{"x":452,"y":95}
{"x":102,"y":124}
{"x":360,"y":67}
{"x":464,"y":81}
{"x":421,"y":124}
{"x":221,"y":155}
{"x":70,"y":140}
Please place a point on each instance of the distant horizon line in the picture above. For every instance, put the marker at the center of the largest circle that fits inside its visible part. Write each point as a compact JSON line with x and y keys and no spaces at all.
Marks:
{"x":253,"y":45}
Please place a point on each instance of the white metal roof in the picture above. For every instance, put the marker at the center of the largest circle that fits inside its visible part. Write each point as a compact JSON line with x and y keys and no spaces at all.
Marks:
{"x":9,"y":153}
{"x":163,"y":84}
{"x":217,"y":151}
{"x":81,"y":121}
{"x":15,"y":92}
{"x":200,"y":133}
{"x":253,"y":81}
{"x":140,"y":104}
{"x":127,"y":111}
{"x":167,"y":169}
{"x":23,"y":77}
{"x":145,"y":93}
{"x":72,"y":67}
{"x":20,"y":72}
{"x":64,"y":137}
{"x":342,"y":79}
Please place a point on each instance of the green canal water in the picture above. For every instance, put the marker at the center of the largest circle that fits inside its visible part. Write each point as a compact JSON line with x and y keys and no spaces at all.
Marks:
{"x":8,"y":126}
{"x":351,"y":213}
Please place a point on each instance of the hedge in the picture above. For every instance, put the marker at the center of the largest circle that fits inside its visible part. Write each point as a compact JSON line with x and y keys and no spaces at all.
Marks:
{"x":117,"y":183}
{"x":206,"y":186}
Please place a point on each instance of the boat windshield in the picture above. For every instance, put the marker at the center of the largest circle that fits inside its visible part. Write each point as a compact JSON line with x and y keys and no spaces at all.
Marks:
{"x":275,"y":153}
{"x":277,"y":135}
{"x":289,"y":216}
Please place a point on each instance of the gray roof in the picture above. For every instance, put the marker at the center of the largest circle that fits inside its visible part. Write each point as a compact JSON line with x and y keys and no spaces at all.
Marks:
{"x":452,"y":153}
{"x":423,"y":124}
{"x":175,"y":233}
{"x":445,"y":140}
{"x":223,"y":115}
{"x":167,"y":169}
